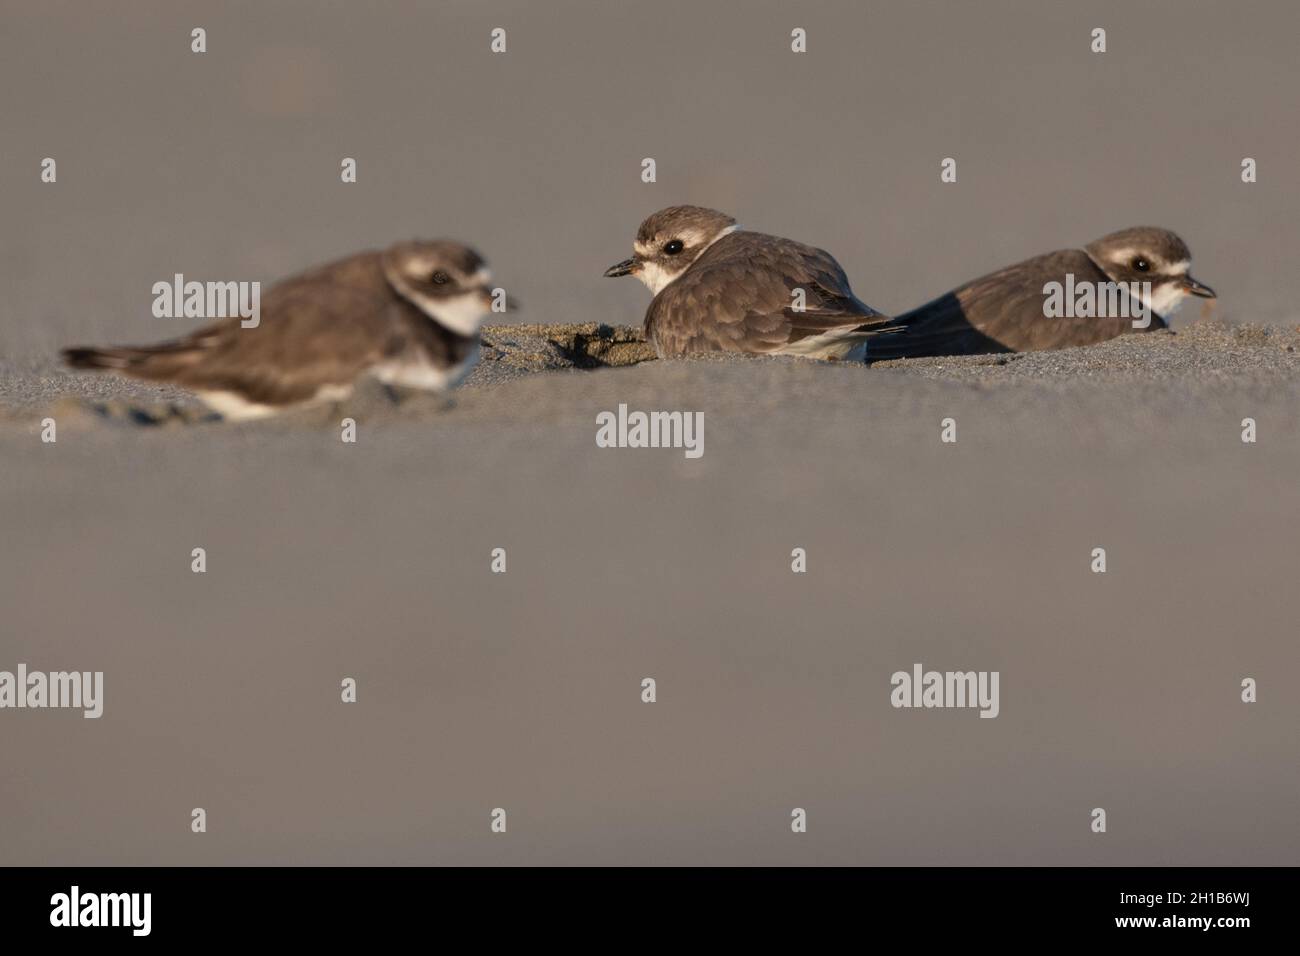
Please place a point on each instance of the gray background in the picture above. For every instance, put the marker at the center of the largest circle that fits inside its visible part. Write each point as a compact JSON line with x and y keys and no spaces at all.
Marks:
{"x":226,"y":165}
{"x":522,"y":691}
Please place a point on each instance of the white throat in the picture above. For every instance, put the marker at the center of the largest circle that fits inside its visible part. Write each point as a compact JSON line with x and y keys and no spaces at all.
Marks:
{"x":1166,"y":299}
{"x":657,"y":278}
{"x":463,"y":314}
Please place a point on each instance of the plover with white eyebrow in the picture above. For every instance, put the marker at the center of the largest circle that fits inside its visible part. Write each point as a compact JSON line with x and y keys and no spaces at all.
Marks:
{"x":408,"y":315}
{"x":719,"y":288}
{"x":1004,"y":311}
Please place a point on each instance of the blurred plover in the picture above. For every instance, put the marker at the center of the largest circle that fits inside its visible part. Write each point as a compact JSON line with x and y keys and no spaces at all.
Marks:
{"x":718,"y":288}
{"x":408,"y":315}
{"x":1004,"y":311}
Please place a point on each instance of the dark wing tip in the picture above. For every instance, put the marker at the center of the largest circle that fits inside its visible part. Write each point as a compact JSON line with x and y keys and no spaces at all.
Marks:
{"x":80,"y":357}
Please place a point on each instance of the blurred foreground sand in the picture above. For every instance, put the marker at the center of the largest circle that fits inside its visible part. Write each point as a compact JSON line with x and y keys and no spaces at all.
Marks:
{"x":521,"y":690}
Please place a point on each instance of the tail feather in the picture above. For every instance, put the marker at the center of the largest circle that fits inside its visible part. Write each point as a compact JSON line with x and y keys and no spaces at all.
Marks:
{"x":118,"y":358}
{"x":145,"y":361}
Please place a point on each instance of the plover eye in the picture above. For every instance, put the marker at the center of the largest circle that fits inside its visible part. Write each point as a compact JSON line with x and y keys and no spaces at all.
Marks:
{"x":1141,"y":265}
{"x":440,"y":278}
{"x":674,"y":247}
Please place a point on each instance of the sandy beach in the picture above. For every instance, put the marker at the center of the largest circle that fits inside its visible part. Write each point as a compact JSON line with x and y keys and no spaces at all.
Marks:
{"x":521,"y":690}
{"x":372,"y":560}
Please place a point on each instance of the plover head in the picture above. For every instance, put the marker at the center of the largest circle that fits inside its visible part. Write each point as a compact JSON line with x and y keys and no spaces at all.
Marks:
{"x":669,"y":241}
{"x":1154,"y":255}
{"x":447,"y":281}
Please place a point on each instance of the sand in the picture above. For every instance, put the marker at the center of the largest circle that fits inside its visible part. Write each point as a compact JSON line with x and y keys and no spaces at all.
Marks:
{"x":522,"y":690}
{"x":371,"y":560}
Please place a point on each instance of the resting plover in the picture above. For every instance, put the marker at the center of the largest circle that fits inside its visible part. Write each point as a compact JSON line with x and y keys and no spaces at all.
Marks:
{"x":718,"y":288}
{"x":408,"y":315}
{"x":1004,"y":311}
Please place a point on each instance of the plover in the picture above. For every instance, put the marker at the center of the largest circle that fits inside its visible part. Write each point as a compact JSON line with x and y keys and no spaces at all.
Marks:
{"x":718,"y":288}
{"x":1004,"y":311}
{"x":408,"y":315}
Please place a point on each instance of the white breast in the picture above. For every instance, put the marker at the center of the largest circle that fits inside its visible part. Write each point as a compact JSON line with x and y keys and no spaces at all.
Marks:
{"x":422,"y":374}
